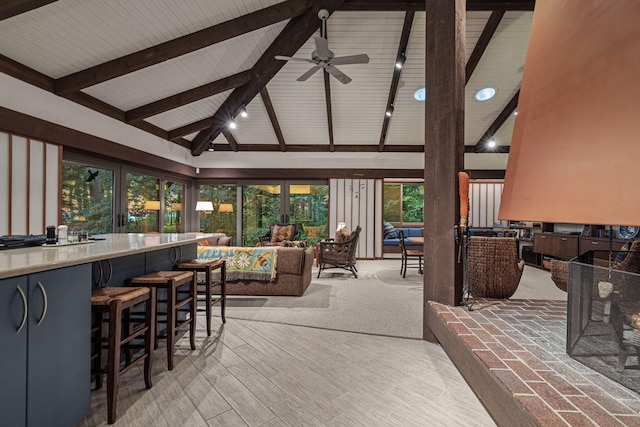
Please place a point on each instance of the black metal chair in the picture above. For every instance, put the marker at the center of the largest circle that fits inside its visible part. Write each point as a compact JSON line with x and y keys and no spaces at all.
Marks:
{"x":411,"y":258}
{"x":339,"y":254}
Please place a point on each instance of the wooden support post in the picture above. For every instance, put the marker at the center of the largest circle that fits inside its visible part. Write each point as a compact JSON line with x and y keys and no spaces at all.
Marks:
{"x":444,"y":151}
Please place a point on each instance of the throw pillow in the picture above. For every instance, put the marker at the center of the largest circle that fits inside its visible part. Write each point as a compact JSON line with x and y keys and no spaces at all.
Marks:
{"x":622,"y":254}
{"x":281,"y":232}
{"x":224,"y":241}
{"x":203,"y":243}
{"x":342,"y":233}
{"x":390,"y":231}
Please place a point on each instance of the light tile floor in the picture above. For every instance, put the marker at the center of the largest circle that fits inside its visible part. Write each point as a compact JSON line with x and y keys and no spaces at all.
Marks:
{"x":265,"y":374}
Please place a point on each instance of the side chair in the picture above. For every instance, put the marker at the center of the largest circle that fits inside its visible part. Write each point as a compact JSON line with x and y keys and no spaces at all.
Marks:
{"x":411,"y":258}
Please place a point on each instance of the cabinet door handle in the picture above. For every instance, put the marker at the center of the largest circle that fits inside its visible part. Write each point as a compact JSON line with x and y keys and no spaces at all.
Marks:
{"x":595,"y":243}
{"x":25,"y":308}
{"x":44,"y":299}
{"x":106,"y":282}
{"x":99,"y":281}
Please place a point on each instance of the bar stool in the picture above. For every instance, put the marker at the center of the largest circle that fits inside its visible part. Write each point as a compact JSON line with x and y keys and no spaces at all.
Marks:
{"x":179,"y":296}
{"x":206,"y":287}
{"x":117,"y":304}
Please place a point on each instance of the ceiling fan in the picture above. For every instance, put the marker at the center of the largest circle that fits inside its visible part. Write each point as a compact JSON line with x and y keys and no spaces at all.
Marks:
{"x":323,"y":58}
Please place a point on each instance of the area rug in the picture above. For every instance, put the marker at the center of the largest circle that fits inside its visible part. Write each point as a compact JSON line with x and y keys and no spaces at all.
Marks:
{"x":378,"y":302}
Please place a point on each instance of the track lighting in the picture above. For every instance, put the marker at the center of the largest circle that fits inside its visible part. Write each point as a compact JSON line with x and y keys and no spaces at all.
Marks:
{"x":400,"y":61}
{"x":210,"y":148}
{"x":232,"y":124}
{"x":491,"y":144}
{"x":389,"y":111}
{"x":243,"y":111}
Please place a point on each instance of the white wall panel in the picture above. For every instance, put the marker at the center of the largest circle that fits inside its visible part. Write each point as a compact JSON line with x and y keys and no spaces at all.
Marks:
{"x":19,"y":185}
{"x":37,"y":193}
{"x":355,"y":201}
{"x":484,"y":201}
{"x":4,"y":184}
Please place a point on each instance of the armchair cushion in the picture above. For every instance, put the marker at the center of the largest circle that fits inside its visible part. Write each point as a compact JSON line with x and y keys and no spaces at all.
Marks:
{"x":281,"y":233}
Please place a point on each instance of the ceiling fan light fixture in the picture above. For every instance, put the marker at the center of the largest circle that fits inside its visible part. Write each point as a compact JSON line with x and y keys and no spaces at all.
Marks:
{"x":400,"y":61}
{"x":389,"y":111}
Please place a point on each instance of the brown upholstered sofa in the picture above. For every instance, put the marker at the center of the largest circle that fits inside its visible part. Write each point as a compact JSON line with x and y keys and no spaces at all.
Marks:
{"x":293,"y":275}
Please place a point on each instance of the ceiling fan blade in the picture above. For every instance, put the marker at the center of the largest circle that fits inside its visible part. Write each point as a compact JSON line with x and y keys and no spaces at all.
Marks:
{"x":322,"y":47}
{"x":308,"y":74}
{"x":342,"y":77}
{"x":353,"y":59}
{"x":291,"y":58}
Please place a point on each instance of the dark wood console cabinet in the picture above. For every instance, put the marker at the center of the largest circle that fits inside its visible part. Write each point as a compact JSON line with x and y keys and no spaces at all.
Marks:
{"x":570,"y":245}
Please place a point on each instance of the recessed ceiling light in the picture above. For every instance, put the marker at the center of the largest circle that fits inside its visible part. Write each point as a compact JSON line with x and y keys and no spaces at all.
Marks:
{"x":420,"y":94}
{"x":486,"y":94}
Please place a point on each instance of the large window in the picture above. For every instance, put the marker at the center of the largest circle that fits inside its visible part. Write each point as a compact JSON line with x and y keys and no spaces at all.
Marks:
{"x":87,"y":198}
{"x":403,"y":202}
{"x":106,"y":197}
{"x":223,"y":217}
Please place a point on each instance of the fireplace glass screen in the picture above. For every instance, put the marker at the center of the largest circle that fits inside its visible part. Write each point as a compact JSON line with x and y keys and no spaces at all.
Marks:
{"x":603,"y":321}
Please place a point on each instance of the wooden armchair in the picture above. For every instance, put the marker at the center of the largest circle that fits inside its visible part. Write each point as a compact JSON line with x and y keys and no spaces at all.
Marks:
{"x":278,"y":233}
{"x":340,"y":254}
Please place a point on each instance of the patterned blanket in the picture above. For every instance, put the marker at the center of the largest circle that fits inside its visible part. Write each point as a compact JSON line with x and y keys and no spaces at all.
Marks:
{"x":244,"y":263}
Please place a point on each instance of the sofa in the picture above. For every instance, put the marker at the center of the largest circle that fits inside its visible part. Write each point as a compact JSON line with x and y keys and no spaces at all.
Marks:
{"x":292,"y":275}
{"x":392,"y":243}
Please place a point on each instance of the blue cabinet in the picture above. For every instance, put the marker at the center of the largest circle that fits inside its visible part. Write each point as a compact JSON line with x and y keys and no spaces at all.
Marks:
{"x":54,"y":344}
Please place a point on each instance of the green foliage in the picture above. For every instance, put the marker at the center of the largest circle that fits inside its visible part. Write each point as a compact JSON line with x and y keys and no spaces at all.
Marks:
{"x":403,"y":202}
{"x":87,"y":205}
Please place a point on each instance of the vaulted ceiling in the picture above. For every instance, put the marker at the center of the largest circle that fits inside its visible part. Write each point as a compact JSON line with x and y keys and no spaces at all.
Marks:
{"x":181,"y":69}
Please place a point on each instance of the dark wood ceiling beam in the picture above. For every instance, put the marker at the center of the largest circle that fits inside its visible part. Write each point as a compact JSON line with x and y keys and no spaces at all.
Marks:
{"x":322,"y":148}
{"x":271,"y":112}
{"x":327,"y":98}
{"x":419,"y":5}
{"x":21,"y":72}
{"x":233,"y":142}
{"x":297,"y":31}
{"x":497,"y":124}
{"x":9,"y":8}
{"x":188,"y":96}
{"x":487,"y":33}
{"x":402,"y":50}
{"x":181,"y":46}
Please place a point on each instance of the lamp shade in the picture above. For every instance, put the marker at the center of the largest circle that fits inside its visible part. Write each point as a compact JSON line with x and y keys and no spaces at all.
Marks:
{"x":575,"y":139}
{"x":225,"y":208}
{"x":204,"y":206}
{"x":152,"y":205}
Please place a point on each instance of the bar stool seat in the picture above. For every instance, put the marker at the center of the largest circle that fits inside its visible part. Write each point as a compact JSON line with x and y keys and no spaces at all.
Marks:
{"x":118,"y":303}
{"x":179,"y":296}
{"x":206,"y":287}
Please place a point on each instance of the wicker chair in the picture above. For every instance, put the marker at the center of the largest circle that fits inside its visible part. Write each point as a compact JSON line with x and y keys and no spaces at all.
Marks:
{"x":631,"y":263}
{"x":494,"y":267}
{"x":340,"y":254}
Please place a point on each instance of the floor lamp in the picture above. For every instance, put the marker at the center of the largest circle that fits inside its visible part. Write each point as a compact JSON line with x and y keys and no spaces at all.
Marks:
{"x":206,"y":207}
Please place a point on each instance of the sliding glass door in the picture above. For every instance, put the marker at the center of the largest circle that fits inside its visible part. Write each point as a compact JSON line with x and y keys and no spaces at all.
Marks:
{"x":286,"y":202}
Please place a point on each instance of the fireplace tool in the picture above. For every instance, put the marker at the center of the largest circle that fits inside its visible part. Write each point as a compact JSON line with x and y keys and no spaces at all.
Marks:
{"x":461,"y":234}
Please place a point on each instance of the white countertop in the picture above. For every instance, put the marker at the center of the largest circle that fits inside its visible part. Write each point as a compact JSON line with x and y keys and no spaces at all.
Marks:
{"x":18,"y":262}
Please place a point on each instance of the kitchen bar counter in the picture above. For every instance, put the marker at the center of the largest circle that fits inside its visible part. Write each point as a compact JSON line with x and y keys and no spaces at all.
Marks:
{"x":18,"y":262}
